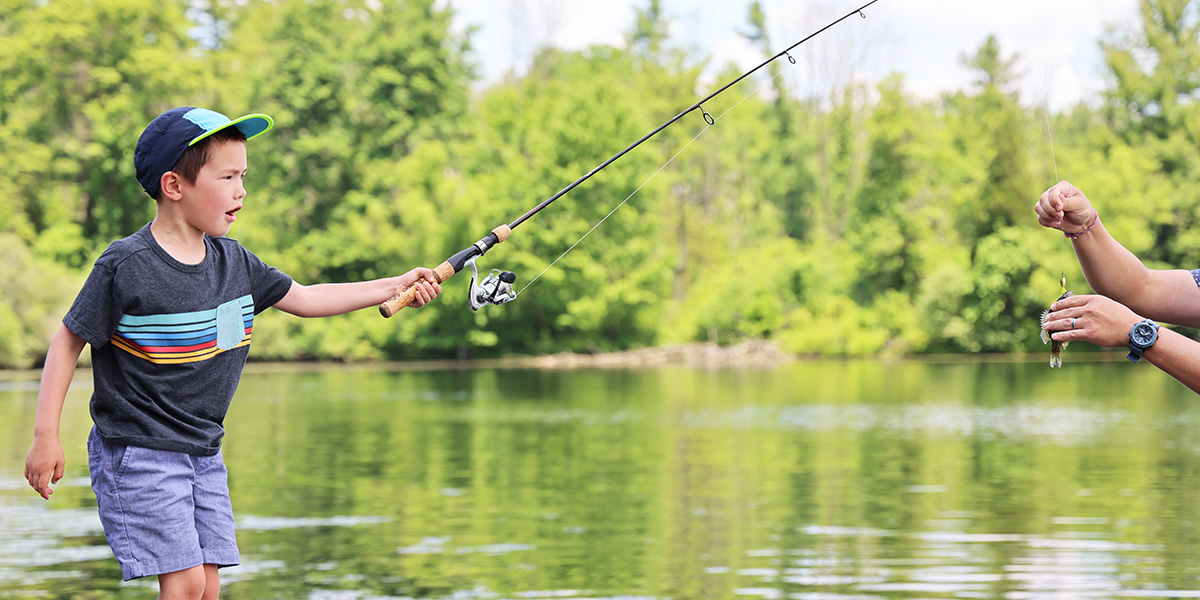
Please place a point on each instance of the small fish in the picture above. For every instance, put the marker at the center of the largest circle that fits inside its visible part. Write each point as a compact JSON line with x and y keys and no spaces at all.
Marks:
{"x":1056,"y":347}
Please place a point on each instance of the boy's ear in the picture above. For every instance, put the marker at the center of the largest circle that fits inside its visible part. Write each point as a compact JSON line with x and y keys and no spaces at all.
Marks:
{"x":170,"y":186}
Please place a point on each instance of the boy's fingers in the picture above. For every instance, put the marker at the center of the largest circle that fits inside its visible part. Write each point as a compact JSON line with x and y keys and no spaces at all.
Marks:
{"x":421,"y":298}
{"x":59,"y":471}
{"x":43,"y":486}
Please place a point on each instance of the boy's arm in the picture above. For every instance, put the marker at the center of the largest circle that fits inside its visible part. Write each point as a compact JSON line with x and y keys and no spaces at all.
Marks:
{"x":45,"y":463}
{"x":328,"y":299}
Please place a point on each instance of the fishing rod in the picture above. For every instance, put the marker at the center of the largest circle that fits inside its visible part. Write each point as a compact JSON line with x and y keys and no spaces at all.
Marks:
{"x":496,"y":288}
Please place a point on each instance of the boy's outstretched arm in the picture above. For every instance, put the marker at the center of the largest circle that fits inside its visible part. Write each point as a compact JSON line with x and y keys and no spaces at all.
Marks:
{"x":45,"y":463}
{"x":328,"y":299}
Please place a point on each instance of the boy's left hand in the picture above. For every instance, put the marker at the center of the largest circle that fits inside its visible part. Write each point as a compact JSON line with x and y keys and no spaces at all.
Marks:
{"x":44,"y":465}
{"x":427,"y":285}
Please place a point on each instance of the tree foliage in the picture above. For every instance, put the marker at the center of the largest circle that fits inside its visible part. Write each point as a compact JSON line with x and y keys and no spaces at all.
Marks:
{"x":864,"y":221}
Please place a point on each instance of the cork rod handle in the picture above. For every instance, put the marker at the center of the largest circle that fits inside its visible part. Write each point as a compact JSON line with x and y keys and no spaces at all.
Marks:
{"x":405,"y":297}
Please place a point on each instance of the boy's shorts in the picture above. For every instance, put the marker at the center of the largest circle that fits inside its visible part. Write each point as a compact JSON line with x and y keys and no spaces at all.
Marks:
{"x":162,"y":511}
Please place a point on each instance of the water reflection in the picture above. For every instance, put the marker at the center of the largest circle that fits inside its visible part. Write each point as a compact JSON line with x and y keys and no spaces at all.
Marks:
{"x":825,"y":481}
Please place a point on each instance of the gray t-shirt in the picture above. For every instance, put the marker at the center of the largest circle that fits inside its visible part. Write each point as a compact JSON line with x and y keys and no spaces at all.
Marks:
{"x":169,"y":340}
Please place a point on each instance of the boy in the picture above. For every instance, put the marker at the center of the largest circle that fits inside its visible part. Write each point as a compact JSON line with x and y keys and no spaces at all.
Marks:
{"x":169,"y":313}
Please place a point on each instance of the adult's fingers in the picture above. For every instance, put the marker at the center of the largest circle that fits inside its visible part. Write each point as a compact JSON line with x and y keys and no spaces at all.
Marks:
{"x":1069,"y":302}
{"x":1047,"y":217}
{"x":1068,"y":313}
{"x":1069,"y":335}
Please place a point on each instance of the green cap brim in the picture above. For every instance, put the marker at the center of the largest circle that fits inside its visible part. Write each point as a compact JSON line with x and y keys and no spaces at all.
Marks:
{"x":249,"y":125}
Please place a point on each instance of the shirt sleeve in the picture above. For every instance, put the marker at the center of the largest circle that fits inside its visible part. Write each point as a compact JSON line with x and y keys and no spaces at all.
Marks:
{"x":95,"y":313}
{"x":268,"y":285}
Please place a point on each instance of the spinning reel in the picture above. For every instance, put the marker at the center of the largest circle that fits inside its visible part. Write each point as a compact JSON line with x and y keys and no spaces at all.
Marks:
{"x":496,"y":288}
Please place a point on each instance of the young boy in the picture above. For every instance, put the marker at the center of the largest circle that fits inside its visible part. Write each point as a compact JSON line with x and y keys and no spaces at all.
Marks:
{"x":169,"y":313}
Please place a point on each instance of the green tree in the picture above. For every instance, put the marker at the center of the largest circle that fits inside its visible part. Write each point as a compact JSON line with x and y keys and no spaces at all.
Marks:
{"x":649,"y":30}
{"x":995,"y":128}
{"x":80,"y":81}
{"x":1153,"y":107}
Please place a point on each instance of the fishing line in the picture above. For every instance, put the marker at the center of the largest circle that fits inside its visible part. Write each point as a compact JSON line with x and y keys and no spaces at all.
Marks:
{"x":1062,"y":243}
{"x":1050,"y":134}
{"x":708,"y":125}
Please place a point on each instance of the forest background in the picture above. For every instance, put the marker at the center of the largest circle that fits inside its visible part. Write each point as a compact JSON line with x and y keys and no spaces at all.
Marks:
{"x":863,"y":221}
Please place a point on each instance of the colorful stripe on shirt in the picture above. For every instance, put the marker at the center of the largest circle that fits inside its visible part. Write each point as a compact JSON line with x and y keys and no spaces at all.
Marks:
{"x":178,"y":337}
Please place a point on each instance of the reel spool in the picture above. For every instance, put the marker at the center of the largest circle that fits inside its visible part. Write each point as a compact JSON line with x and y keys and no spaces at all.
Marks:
{"x":496,"y":288}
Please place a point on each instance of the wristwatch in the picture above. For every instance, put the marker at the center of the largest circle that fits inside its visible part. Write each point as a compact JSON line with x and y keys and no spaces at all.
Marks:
{"x":1141,"y":337}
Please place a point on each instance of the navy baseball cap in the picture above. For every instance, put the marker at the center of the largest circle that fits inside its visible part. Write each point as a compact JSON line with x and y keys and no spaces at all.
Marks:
{"x":166,"y":138}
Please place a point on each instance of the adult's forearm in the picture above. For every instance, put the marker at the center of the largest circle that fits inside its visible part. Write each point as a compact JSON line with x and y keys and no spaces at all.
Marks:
{"x":1178,"y":357}
{"x":1112,"y":270}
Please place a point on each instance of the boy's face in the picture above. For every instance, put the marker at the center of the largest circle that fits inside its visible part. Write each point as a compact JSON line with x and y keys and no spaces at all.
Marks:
{"x":211,"y":204}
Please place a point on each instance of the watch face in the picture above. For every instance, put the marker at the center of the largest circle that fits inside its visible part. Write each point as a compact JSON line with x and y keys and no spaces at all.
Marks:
{"x":1142,"y":334}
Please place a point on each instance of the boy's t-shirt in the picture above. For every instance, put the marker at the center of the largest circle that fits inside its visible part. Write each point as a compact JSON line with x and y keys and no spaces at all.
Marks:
{"x":169,"y":339}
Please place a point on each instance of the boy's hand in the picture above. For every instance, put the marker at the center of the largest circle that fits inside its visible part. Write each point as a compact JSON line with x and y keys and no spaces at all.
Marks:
{"x":44,"y":465}
{"x":1065,"y":208}
{"x":427,"y":285}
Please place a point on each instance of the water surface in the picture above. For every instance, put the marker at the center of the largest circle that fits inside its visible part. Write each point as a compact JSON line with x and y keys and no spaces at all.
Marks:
{"x":810,"y":481}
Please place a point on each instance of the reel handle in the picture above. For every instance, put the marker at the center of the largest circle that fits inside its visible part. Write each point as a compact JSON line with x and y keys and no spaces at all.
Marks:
{"x":405,"y":297}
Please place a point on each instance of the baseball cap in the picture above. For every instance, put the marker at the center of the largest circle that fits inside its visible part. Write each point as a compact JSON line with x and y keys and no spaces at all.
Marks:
{"x":169,"y":135}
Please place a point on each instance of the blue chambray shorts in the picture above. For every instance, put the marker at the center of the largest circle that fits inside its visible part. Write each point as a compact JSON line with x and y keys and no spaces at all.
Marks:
{"x":162,"y":511}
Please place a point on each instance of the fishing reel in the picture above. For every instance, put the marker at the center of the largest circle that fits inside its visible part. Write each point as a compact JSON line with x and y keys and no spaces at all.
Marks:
{"x":496,"y":288}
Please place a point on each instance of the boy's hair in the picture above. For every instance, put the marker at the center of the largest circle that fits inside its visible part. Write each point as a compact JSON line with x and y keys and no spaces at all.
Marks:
{"x":198,"y":155}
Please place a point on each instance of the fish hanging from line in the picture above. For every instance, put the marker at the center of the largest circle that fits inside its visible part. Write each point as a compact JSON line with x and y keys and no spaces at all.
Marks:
{"x":1056,"y":347}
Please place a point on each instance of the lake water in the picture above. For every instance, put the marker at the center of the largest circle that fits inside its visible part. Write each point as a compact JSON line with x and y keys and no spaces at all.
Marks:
{"x":808,"y":481}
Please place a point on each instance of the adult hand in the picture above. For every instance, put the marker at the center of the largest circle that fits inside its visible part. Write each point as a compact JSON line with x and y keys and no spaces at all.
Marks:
{"x":1090,"y":318}
{"x":427,"y":286}
{"x":44,"y":465}
{"x":1065,"y":208}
